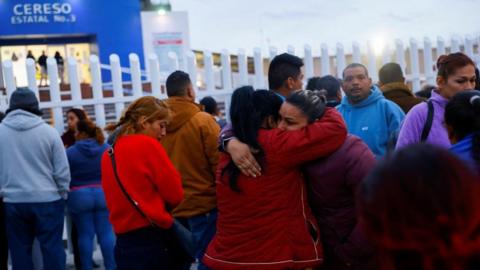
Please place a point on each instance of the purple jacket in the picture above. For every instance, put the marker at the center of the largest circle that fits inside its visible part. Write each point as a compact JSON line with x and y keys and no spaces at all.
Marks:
{"x":412,"y":127}
{"x":332,"y":184}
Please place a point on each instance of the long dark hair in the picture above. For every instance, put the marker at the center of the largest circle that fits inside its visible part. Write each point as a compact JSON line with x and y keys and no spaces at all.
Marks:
{"x":462,"y":113}
{"x":248,"y":111}
{"x":421,"y":208}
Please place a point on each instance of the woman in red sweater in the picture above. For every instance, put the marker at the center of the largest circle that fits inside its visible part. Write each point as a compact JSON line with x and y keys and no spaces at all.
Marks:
{"x":150,"y":179}
{"x":265,"y":222}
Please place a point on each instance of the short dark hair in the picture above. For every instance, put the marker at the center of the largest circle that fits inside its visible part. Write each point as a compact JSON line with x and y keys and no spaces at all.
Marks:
{"x":177,"y":84}
{"x":355,"y":65}
{"x":390,"y":72}
{"x":210,"y":105}
{"x":281,"y":68}
{"x":331,"y":85}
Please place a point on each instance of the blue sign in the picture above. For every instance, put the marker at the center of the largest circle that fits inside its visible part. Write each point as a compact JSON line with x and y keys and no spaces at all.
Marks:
{"x":114,"y":25}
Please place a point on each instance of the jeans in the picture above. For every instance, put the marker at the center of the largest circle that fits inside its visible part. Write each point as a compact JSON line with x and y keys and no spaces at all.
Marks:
{"x":146,"y":248}
{"x":89,"y":213}
{"x":44,"y":221}
{"x":203,"y":228}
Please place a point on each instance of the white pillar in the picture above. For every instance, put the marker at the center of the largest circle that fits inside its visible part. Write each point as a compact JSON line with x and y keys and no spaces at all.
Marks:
{"x":340,"y":60}
{"x":135,"y":74}
{"x":440,"y":46}
{"x":291,"y":49}
{"x":258,"y":63}
{"x":8,"y":77}
{"x":325,"y":60}
{"x":117,"y":83}
{"x":55,"y":94}
{"x":209,"y":75}
{"x":372,"y":62}
{"x":75,"y":90}
{"x":428,"y":61}
{"x":400,"y":54}
{"x":226,"y":71}
{"x":192,"y":68}
{"x":97,"y":90}
{"x":308,"y":61}
{"x":356,"y":55}
{"x":414,"y":61}
{"x":31,"y":76}
{"x":155,"y":75}
{"x":242,"y":67}
{"x":273,"y":52}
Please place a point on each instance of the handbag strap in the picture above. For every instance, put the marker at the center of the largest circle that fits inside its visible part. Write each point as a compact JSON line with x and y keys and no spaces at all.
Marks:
{"x":428,"y":122}
{"x":134,"y":203}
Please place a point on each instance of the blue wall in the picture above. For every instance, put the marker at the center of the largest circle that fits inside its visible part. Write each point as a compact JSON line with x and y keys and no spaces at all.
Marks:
{"x":116,"y":24}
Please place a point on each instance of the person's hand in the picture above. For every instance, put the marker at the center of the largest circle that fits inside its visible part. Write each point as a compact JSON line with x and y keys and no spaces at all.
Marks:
{"x":242,"y":157}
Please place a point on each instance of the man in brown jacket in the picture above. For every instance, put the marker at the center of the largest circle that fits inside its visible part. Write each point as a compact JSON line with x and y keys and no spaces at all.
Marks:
{"x":392,"y":84}
{"x":191,"y":144}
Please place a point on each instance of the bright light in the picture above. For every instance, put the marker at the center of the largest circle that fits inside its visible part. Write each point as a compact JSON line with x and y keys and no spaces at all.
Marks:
{"x":162,"y":12}
{"x":378,"y":45}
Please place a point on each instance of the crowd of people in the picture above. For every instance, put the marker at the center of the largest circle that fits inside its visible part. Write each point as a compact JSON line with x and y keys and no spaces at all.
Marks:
{"x":376,"y":178}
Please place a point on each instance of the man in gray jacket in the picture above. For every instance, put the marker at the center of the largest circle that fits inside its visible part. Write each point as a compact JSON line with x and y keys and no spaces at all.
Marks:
{"x":34,"y":183}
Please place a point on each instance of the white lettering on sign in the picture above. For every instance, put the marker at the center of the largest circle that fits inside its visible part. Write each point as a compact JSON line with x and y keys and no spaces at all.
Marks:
{"x":43,"y":13}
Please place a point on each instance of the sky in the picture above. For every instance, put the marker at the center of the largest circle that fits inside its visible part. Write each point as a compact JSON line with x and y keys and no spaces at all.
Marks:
{"x":234,"y":24}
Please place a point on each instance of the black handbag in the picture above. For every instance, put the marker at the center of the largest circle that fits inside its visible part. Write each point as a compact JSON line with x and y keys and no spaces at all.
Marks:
{"x":183,"y":236}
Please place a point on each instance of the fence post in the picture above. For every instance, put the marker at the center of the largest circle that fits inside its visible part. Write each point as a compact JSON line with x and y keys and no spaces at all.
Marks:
{"x":192,"y":68}
{"x":455,"y":47}
{"x":97,"y":90}
{"x":135,"y":75}
{"x":308,"y":60}
{"x":31,"y":76}
{"x":242,"y":67}
{"x":155,"y":75}
{"x":291,"y":49}
{"x":386,"y":55}
{"x":173,"y":62}
{"x":325,"y":60}
{"x":469,"y":46}
{"x":273,"y":52}
{"x":258,"y":63}
{"x":400,"y":54}
{"x":440,"y":46}
{"x":73,"y":79}
{"x":372,"y":62}
{"x":340,"y":60}
{"x":356,"y":55}
{"x":52,"y":70}
{"x":415,"y":66}
{"x":8,"y":77}
{"x":209,"y":75}
{"x":226,"y":71}
{"x":427,"y":61}
{"x":117,"y":83}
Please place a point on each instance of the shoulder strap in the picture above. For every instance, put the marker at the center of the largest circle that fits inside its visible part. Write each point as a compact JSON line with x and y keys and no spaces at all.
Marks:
{"x":428,"y":122}
{"x":134,"y":203}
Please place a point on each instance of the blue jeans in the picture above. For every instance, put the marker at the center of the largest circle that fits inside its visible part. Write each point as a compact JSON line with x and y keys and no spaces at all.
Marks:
{"x":44,"y":221}
{"x":203,"y":228}
{"x":89,"y":212}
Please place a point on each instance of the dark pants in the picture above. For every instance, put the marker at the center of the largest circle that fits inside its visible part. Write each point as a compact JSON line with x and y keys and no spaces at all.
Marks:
{"x":203,"y":228}
{"x":147,"y":248}
{"x":3,"y":239}
{"x":44,"y":221}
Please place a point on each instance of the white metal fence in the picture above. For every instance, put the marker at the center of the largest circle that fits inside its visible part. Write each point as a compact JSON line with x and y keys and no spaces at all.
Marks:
{"x":219,"y":81}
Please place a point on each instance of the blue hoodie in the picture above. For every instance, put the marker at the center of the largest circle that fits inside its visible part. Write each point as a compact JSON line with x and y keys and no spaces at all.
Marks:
{"x":464,"y":150}
{"x":33,"y":163}
{"x":85,"y":157}
{"x":376,"y":120}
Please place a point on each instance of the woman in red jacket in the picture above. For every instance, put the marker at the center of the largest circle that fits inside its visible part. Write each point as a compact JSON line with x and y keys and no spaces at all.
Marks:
{"x":265,"y":222}
{"x":150,"y":179}
{"x":332,"y":184}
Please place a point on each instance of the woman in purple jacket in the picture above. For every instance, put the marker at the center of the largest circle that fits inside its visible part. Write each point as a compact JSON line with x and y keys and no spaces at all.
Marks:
{"x":456,"y":73}
{"x":332,"y":183}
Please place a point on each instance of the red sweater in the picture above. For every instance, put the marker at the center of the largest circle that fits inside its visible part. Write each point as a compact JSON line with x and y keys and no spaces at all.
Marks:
{"x":268,"y":224}
{"x":149,"y":178}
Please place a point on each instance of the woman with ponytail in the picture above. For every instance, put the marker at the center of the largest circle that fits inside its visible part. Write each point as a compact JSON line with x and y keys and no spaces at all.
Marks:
{"x":425,"y":121}
{"x":264,"y":222}
{"x":462,"y":118}
{"x":144,"y":229}
{"x":86,"y":202}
